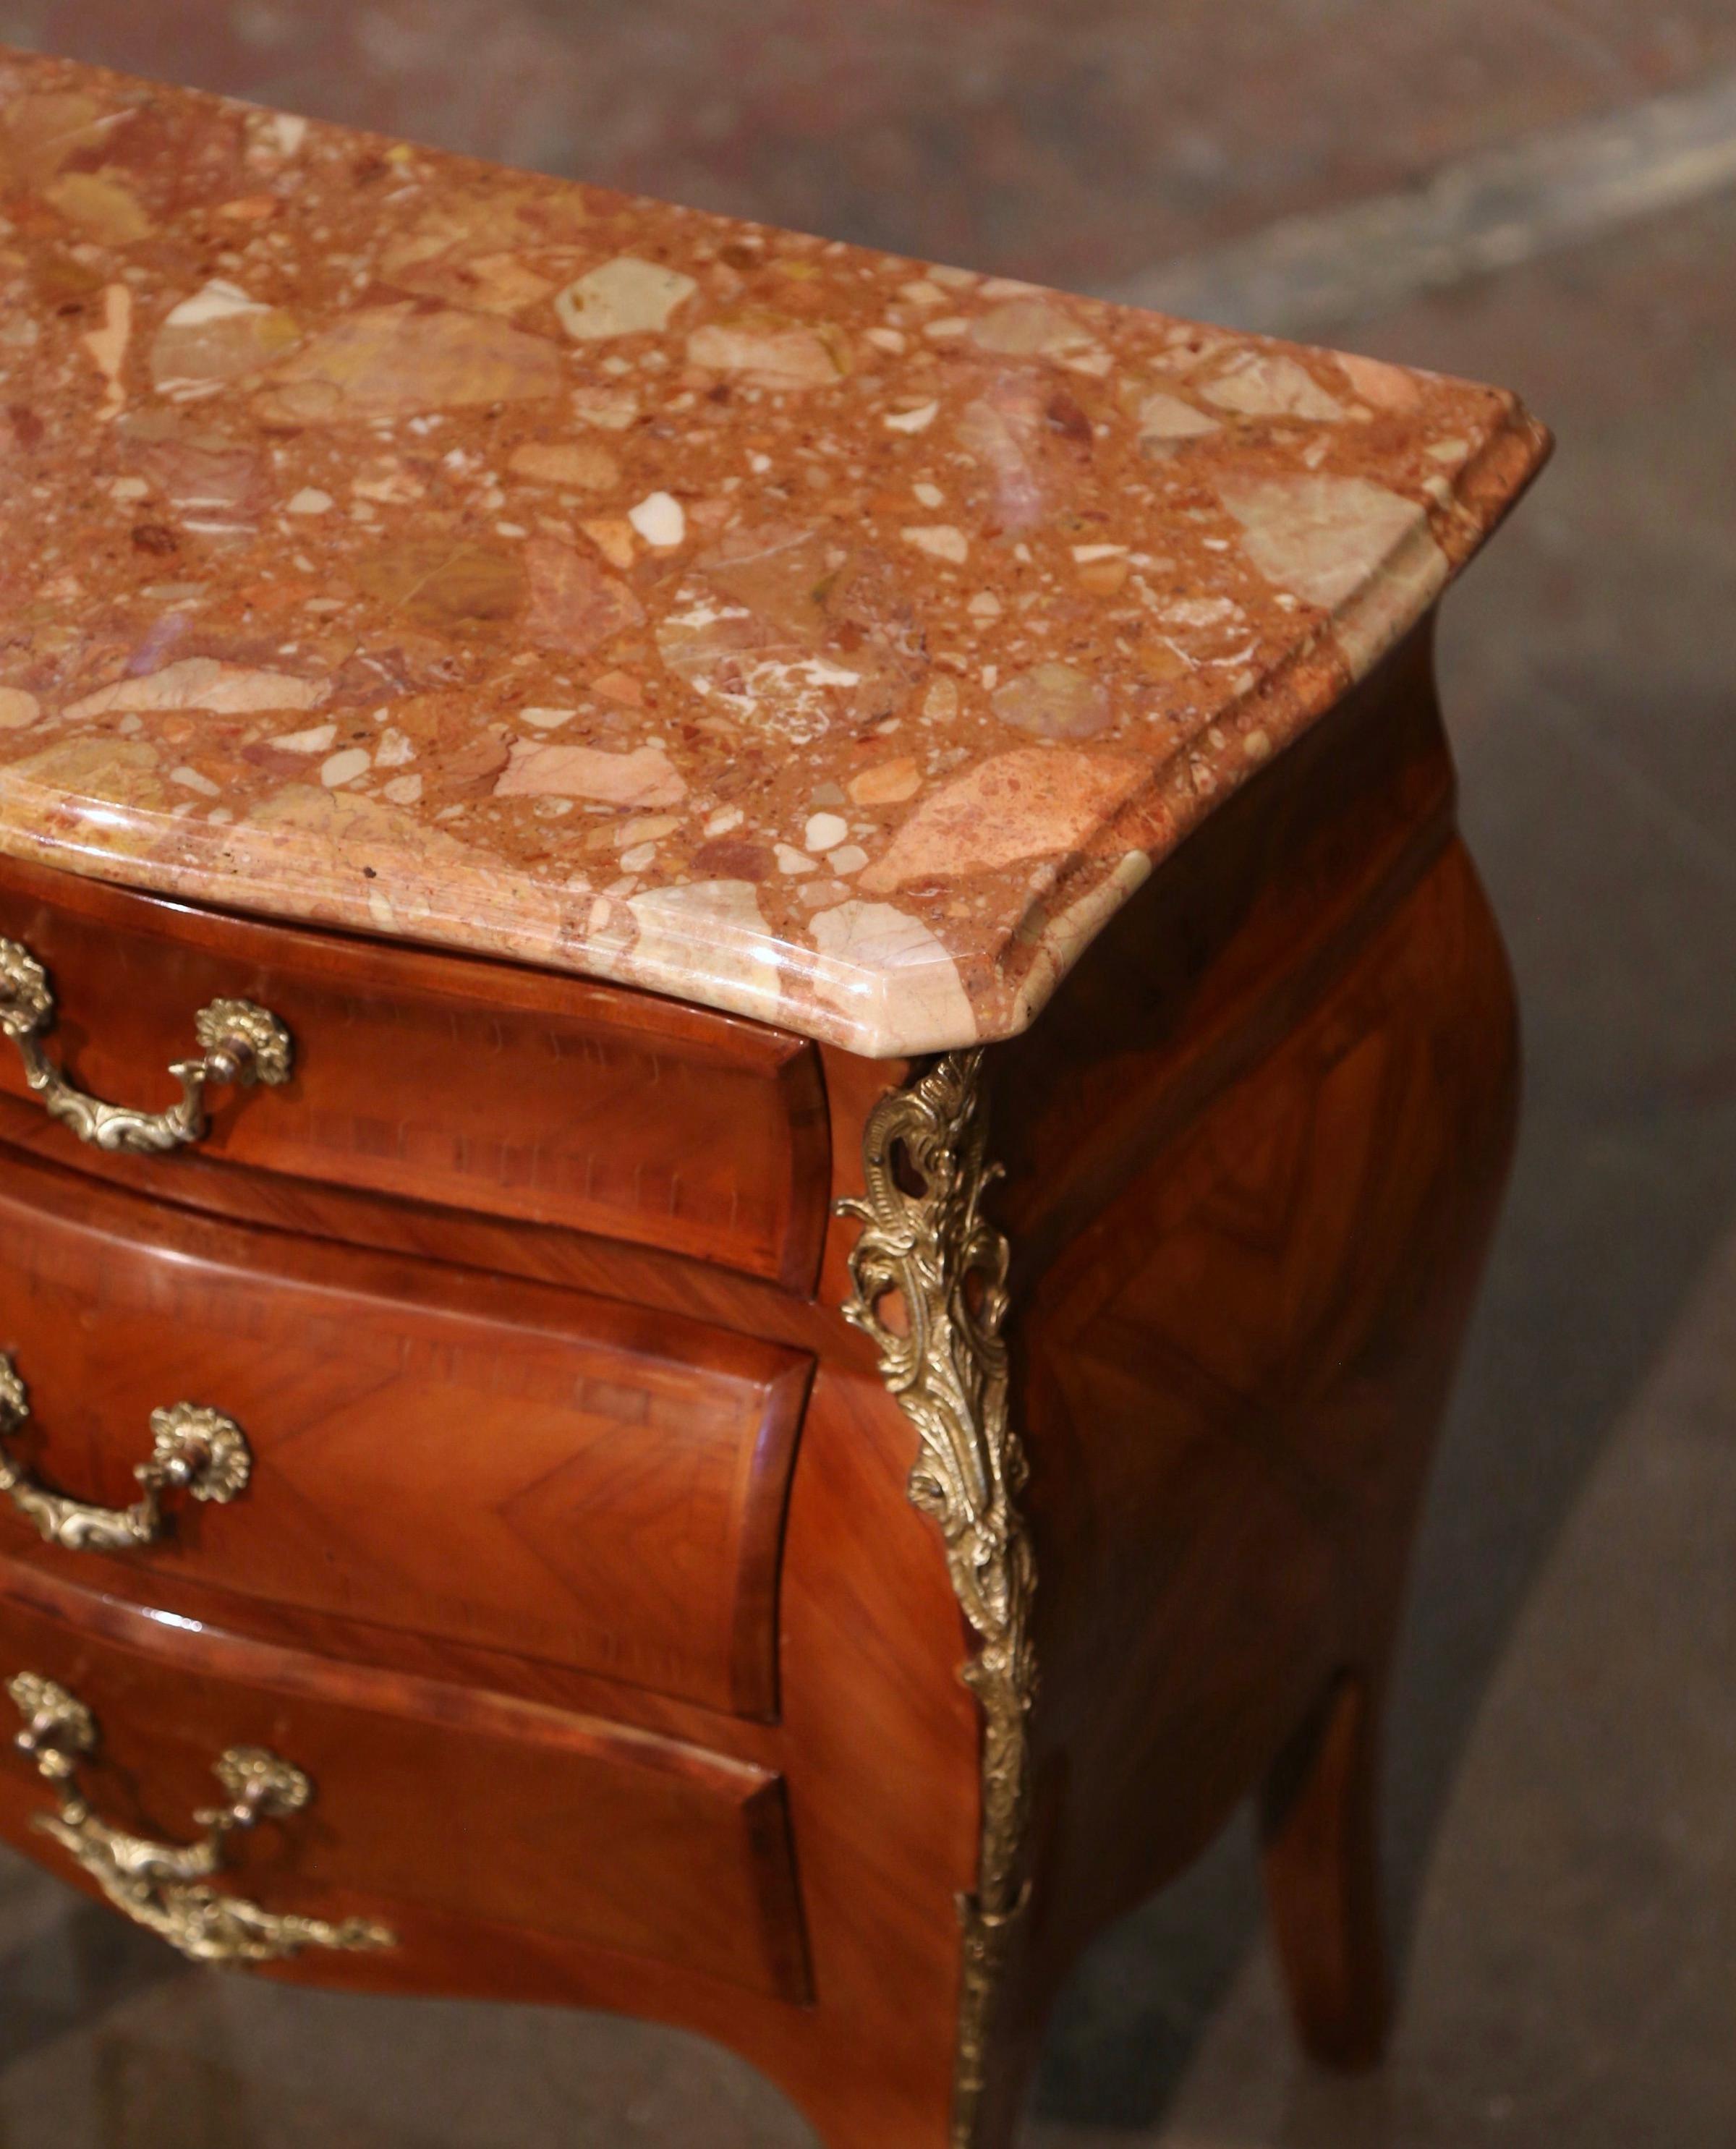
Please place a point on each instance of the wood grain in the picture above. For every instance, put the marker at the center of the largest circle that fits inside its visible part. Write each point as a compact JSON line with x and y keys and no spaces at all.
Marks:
{"x":450,"y":1456}
{"x":510,"y":1092}
{"x":573,"y":1830}
{"x":1237,"y":1314}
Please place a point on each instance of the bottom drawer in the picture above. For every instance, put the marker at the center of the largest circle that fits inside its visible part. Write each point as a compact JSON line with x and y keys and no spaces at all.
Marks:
{"x":421,"y":1800}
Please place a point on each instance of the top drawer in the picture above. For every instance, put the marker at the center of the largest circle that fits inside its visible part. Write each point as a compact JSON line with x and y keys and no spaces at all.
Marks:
{"x":475,"y":1085}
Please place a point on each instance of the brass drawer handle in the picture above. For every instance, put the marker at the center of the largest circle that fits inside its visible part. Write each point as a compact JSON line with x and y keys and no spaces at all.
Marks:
{"x":162,"y":1885}
{"x":240,"y":1043}
{"x":194,"y":1450}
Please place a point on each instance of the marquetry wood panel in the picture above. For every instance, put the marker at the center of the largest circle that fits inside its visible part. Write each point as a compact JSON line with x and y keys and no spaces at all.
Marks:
{"x":505,"y":1467}
{"x":510,"y":1092}
{"x":565,"y":1827}
{"x":1232,"y":1378}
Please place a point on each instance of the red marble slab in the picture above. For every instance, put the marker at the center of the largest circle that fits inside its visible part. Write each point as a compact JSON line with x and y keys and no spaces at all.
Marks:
{"x":393,"y":540}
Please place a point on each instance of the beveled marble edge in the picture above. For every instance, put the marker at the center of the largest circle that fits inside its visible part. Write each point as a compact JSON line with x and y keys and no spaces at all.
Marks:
{"x":899,"y":991}
{"x":906,"y":1005}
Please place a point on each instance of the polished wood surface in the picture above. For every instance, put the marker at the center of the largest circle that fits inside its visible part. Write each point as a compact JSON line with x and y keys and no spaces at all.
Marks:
{"x":1254,"y":1151}
{"x":1319,"y":1838}
{"x":510,"y":1092}
{"x":1254,"y":1195}
{"x":569,"y":1828}
{"x":516,"y":1470}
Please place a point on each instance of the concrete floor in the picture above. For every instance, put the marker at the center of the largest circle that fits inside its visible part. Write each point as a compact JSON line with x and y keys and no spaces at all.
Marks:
{"x":1563,"y":1867}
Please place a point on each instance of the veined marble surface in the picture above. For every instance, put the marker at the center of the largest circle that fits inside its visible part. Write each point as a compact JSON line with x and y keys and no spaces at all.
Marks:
{"x":396,"y":542}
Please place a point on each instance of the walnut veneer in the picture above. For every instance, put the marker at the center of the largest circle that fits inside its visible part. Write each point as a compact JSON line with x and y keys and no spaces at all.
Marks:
{"x":577,"y":1566}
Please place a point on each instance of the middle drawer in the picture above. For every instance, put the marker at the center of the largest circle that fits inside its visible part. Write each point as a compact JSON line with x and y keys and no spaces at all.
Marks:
{"x":439,"y":1463}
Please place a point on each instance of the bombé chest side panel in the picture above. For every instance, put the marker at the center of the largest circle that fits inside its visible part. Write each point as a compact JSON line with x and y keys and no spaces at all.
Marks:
{"x":1253,"y":1155}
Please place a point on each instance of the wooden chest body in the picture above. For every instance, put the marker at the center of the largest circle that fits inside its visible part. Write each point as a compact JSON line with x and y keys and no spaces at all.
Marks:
{"x":578,"y":1566}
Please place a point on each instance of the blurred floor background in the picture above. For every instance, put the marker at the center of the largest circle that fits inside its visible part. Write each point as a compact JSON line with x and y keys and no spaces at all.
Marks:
{"x":1540,"y":193}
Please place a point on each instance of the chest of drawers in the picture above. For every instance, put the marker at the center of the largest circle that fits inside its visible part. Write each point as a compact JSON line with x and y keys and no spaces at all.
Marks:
{"x":727,"y":1259}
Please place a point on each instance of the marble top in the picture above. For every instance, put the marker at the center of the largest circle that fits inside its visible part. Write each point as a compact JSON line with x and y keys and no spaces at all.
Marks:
{"x":391,"y":542}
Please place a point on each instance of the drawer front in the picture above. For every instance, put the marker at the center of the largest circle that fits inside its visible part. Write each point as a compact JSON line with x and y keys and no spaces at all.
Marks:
{"x":422,"y":1825}
{"x":438,"y":1458}
{"x":474,"y":1084}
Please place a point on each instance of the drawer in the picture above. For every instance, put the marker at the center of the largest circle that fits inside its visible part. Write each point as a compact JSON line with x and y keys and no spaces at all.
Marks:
{"x":474,"y":1084}
{"x":449,"y":1470}
{"x":441,"y":1826}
